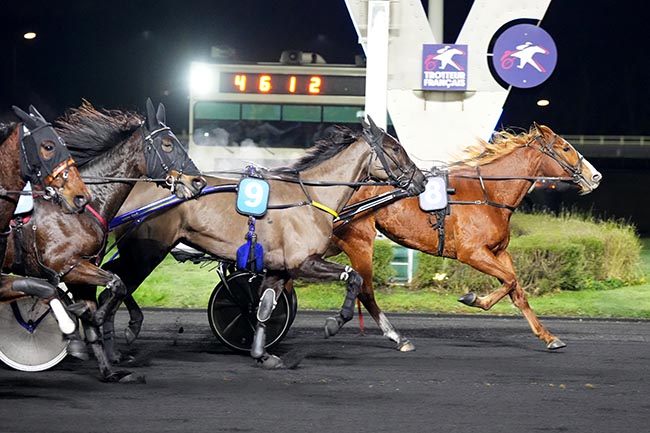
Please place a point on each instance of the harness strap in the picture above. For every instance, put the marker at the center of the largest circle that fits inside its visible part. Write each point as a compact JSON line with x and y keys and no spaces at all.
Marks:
{"x":325,"y":208}
{"x":100,"y":218}
{"x":3,"y":245}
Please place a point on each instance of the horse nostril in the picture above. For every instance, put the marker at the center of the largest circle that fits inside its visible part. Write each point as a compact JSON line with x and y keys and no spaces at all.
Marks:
{"x":596,"y":177}
{"x":199,"y":183}
{"x":80,"y":201}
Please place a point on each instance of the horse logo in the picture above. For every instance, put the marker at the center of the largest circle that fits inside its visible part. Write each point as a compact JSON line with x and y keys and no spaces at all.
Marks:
{"x":524,"y":53}
{"x":444,"y":57}
{"x":524,"y":56}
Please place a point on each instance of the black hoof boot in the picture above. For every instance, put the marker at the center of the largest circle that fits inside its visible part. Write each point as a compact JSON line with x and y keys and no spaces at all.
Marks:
{"x":468,"y":299}
{"x":78,"y":349}
{"x":123,"y":377}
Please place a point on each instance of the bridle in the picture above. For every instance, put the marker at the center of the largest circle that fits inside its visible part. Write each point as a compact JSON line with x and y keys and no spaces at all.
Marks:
{"x":575,"y":171}
{"x":374,"y":136}
{"x":159,"y":163}
{"x":39,"y":170}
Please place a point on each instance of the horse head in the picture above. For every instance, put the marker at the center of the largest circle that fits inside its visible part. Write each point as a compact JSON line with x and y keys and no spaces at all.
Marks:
{"x":563,"y":158}
{"x":167,"y":158}
{"x":392,"y":163}
{"x":46,"y":162}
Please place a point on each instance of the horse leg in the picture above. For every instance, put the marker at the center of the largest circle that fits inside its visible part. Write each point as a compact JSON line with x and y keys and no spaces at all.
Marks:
{"x":136,"y":318}
{"x":315,"y":268}
{"x":147,"y":255}
{"x":82,"y":281}
{"x":274,"y":284}
{"x":502,"y":268}
{"x":359,"y":249}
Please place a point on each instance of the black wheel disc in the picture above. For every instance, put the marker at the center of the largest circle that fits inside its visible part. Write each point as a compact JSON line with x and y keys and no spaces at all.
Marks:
{"x":232,"y":312}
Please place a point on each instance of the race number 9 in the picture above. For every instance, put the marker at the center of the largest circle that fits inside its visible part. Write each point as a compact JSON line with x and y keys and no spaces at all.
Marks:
{"x":252,"y":196}
{"x":434,"y":196}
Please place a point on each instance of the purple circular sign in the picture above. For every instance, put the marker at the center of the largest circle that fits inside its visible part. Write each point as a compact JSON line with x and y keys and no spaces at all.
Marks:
{"x":524,"y":56}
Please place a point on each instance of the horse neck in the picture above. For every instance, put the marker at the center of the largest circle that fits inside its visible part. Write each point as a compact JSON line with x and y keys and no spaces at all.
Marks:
{"x":125,"y":160}
{"x":10,"y":177}
{"x":348,"y":166}
{"x":522,"y":163}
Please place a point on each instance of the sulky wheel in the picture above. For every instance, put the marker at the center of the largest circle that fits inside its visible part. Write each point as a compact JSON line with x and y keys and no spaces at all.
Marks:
{"x":232,"y":312}
{"x":30,"y":338}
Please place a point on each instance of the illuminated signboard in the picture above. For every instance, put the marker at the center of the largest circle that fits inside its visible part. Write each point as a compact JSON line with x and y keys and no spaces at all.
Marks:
{"x":288,"y":84}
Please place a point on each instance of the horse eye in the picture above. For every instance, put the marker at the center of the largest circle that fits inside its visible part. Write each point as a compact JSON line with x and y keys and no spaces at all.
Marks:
{"x":566,"y":148}
{"x":167,"y":145}
{"x":48,"y":146}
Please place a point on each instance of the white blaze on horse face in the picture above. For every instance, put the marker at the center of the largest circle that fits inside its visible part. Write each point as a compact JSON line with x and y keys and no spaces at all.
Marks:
{"x":591,"y":177}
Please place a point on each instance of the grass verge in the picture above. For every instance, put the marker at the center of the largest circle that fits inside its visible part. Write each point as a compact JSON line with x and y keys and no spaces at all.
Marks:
{"x":184,"y":285}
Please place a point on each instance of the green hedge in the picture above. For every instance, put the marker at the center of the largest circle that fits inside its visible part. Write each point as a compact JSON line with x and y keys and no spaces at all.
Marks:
{"x":382,"y":271}
{"x":550,"y":253}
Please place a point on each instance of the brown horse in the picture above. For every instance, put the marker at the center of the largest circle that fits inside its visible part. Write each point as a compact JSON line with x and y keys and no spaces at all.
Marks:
{"x":295,"y":232}
{"x":488,"y":188}
{"x":113,"y":150}
{"x":32,"y":151}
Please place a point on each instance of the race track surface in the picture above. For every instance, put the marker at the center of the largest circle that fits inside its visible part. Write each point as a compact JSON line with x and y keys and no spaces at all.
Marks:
{"x":469,"y":374}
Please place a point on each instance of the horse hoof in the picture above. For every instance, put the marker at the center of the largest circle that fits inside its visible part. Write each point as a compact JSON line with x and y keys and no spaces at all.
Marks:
{"x":77,"y":348}
{"x":468,"y":299}
{"x":270,"y":362}
{"x":133,"y":379}
{"x":406,"y":346}
{"x":123,"y":377}
{"x":556,"y":344}
{"x":331,"y":327}
{"x":130,"y":336}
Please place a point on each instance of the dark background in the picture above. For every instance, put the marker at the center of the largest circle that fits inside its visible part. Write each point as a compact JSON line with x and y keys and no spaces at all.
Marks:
{"x":117,"y":53}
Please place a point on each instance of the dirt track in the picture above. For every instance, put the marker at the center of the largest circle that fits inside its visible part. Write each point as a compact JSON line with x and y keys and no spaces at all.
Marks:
{"x":469,"y":374}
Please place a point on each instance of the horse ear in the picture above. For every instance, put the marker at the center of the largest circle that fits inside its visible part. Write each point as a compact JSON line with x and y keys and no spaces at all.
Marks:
{"x":36,"y":115}
{"x":26,"y":118}
{"x":160,"y":114}
{"x":538,"y":128}
{"x":376,"y":130}
{"x":151,"y":115}
{"x":364,"y":124}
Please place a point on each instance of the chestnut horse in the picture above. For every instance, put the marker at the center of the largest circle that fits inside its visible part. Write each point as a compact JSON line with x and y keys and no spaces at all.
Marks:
{"x":113,"y":151}
{"x":489,"y":186}
{"x":295,"y":232}
{"x":32,"y":151}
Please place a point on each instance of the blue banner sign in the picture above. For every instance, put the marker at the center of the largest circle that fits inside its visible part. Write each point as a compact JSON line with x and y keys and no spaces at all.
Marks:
{"x":524,"y":56}
{"x":444,"y":67}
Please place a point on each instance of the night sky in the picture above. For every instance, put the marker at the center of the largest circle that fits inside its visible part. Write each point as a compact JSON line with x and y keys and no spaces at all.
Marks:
{"x":116,"y":53}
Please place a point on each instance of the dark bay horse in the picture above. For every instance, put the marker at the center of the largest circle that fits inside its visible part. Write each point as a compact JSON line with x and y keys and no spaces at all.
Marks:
{"x":295,"y":232}
{"x":113,"y":150}
{"x":491,"y":183}
{"x":32,"y":151}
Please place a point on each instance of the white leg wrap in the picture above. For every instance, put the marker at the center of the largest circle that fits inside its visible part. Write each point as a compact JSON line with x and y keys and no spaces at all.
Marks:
{"x":66,"y":324}
{"x":266,"y":306}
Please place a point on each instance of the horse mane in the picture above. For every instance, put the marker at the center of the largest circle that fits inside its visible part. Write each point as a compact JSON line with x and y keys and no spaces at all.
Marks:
{"x":502,"y":143}
{"x":6,"y":129}
{"x":89,"y":132}
{"x":325,"y":148}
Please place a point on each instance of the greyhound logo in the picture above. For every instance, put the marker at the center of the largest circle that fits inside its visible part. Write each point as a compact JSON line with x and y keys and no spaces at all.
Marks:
{"x":444,"y":67}
{"x":524,"y":56}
